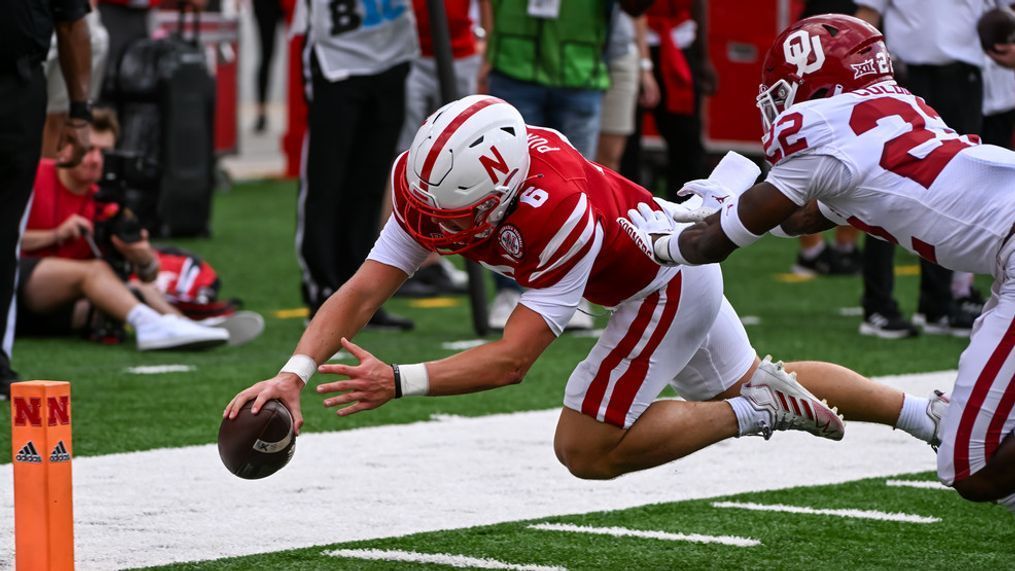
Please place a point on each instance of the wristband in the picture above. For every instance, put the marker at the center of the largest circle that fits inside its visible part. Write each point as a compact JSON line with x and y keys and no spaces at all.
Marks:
{"x":667,"y":249}
{"x":645,"y":64}
{"x":149,"y":271}
{"x":300,"y":365}
{"x":80,"y":110}
{"x":411,"y":380}
{"x":734,"y":228}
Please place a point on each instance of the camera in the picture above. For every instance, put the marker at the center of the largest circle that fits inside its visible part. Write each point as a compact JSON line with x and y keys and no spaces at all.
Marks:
{"x":113,"y":215}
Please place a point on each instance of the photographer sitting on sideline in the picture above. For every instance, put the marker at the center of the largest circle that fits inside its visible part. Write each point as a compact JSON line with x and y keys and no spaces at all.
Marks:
{"x":59,"y":275}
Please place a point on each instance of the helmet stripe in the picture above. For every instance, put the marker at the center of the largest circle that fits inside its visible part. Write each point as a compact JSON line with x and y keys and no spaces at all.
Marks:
{"x":442,"y":139}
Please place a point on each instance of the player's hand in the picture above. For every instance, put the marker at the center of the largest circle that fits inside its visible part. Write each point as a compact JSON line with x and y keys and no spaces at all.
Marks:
{"x":73,"y":227}
{"x":708,"y":79}
{"x":713,"y":195}
{"x":370,"y":384}
{"x":1003,"y":54}
{"x":285,"y":387}
{"x":645,"y":226}
{"x":74,"y":143}
{"x":648,"y":96}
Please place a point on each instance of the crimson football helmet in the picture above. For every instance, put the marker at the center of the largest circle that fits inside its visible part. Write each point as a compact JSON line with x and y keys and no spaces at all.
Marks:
{"x":464,"y":169}
{"x":821,"y":56}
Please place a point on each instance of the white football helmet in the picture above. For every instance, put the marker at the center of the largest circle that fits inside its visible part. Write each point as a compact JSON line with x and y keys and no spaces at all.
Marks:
{"x":464,"y":169}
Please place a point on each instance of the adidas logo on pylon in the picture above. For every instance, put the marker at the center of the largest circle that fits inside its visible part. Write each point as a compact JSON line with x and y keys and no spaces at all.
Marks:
{"x":29,"y":454}
{"x":60,"y":453}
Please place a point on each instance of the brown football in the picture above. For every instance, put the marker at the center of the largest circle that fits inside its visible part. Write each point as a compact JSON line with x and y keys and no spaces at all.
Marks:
{"x":996,"y":26}
{"x":256,"y":446}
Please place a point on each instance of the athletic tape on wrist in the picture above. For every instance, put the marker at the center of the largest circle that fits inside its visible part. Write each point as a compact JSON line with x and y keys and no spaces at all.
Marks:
{"x":413,"y":380}
{"x":303,"y":366}
{"x":667,"y":249}
{"x":734,"y":228}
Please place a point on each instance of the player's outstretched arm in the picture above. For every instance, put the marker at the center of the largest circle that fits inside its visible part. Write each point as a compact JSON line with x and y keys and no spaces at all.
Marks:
{"x":372,"y":382}
{"x":341,"y":316}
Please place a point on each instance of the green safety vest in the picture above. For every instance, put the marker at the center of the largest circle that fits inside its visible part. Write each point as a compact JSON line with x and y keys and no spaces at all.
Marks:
{"x":565,"y":52}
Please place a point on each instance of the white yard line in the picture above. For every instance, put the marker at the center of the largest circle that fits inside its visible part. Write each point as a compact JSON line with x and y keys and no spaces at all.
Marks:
{"x":460,"y":561}
{"x":160,"y":369}
{"x":463,"y":344}
{"x":925,"y":484}
{"x":181,"y":504}
{"x":731,"y":540}
{"x":850,"y":513}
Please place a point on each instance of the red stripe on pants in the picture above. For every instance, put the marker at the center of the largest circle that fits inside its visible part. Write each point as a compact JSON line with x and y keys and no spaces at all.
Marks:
{"x":976,"y":398}
{"x":597,"y":389}
{"x":1004,"y":407}
{"x":631,"y":381}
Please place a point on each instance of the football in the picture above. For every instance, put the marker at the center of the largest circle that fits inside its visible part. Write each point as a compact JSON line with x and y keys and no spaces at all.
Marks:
{"x":996,"y":26}
{"x":256,"y":446}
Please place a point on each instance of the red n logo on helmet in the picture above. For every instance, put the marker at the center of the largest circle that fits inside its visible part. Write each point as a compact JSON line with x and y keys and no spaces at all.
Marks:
{"x":494,"y":163}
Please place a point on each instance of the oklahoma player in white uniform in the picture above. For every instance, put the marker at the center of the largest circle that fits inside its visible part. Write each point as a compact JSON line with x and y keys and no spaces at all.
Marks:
{"x":523,"y":202}
{"x":849,"y":145}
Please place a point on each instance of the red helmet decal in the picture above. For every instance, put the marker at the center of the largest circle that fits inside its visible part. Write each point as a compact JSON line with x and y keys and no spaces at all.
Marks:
{"x":495,"y":163}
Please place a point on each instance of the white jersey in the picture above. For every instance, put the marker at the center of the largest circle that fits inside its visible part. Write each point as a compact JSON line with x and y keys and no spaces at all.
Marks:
{"x":882,"y":160}
{"x":361,"y":37}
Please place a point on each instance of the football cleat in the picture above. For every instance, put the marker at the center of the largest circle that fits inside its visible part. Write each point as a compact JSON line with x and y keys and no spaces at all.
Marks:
{"x":789,"y":406}
{"x":936,"y":407}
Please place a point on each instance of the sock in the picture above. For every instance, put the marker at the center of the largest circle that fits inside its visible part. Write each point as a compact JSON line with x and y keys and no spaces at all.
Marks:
{"x":749,"y":419}
{"x":1008,"y":502}
{"x":141,"y":315}
{"x":914,"y":419}
{"x":813,"y":251}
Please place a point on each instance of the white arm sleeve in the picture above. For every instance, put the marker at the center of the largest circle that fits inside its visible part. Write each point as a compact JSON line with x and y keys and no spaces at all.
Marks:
{"x":810,"y":176}
{"x":394,"y":247}
{"x":558,"y":302}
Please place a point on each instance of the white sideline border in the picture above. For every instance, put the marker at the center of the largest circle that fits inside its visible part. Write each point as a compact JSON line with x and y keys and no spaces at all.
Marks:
{"x":179,"y":504}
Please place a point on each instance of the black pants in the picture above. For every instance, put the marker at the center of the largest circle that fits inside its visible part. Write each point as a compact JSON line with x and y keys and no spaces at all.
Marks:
{"x":998,"y":129}
{"x":22,"y":115}
{"x":685,"y":153}
{"x":353,"y":128}
{"x":268,"y":14}
{"x":955,"y":91}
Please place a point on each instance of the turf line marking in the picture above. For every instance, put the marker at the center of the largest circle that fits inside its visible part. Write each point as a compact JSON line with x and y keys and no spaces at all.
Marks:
{"x":648,"y":534}
{"x":859,"y":514}
{"x":160,"y":369}
{"x":464,"y":344}
{"x":460,"y":561}
{"x":925,"y":484}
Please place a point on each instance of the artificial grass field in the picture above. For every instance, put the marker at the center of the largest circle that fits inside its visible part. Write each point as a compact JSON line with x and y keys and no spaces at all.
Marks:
{"x":252,"y":249}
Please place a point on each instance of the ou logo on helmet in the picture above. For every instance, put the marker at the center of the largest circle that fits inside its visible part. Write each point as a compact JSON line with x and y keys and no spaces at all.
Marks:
{"x":798,"y":49}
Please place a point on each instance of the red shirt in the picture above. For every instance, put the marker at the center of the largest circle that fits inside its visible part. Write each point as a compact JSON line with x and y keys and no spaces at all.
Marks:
{"x":53,"y":203}
{"x":463,"y":42}
{"x":550,"y":230}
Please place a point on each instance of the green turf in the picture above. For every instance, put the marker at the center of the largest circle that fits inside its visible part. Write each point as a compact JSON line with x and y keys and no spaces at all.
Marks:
{"x":252,"y":249}
{"x":969,"y":536}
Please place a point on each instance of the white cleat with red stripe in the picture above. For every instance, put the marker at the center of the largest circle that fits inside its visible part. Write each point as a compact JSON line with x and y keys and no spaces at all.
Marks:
{"x":789,"y":405}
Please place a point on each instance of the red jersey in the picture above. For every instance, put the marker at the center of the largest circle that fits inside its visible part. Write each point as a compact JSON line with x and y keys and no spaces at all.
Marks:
{"x":564,"y":208}
{"x":463,"y":42}
{"x":53,"y":203}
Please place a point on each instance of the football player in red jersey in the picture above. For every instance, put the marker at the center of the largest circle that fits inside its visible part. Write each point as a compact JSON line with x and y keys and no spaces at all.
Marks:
{"x":848,"y":144}
{"x":521,"y":201}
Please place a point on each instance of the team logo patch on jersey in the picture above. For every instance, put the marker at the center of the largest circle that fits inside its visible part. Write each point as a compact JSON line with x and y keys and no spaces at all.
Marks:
{"x":799,"y":48}
{"x":511,"y":240}
{"x":866,"y":67}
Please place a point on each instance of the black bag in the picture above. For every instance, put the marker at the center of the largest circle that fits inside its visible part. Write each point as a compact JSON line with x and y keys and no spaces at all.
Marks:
{"x":166,"y":101}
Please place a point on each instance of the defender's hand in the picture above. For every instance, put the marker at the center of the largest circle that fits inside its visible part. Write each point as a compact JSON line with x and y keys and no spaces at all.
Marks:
{"x":74,"y":143}
{"x":370,"y":384}
{"x":645,"y":226}
{"x":713,"y":195}
{"x":285,"y":387}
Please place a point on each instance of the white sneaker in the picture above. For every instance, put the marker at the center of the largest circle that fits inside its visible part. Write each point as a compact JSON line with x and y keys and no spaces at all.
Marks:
{"x":936,"y":407}
{"x":503,"y":304}
{"x":243,"y":326}
{"x":789,"y":405}
{"x":174,"y":332}
{"x":582,"y":319}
